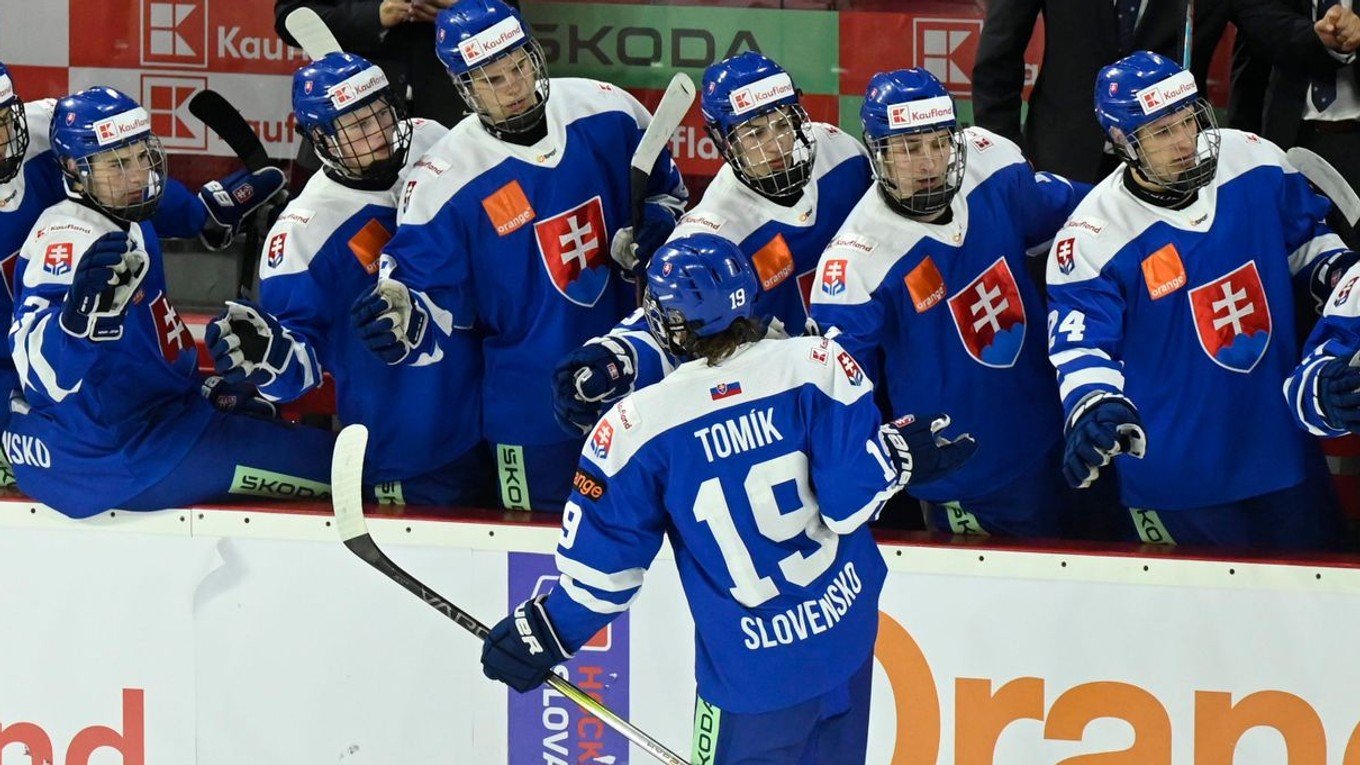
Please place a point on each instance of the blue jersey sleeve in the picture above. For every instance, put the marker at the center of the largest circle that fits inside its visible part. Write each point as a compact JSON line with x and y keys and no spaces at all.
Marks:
{"x":180,"y":215}
{"x":857,"y":319}
{"x":297,"y":294}
{"x":612,"y":528}
{"x":1043,"y":202}
{"x":1336,"y":336}
{"x":845,"y":451}
{"x":1085,"y":322}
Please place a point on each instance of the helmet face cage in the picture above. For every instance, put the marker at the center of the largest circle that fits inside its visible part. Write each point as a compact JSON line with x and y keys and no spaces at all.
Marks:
{"x":125,"y":182}
{"x":667,"y":325}
{"x":771,"y":152}
{"x":13,"y":139}
{"x":1179,"y":151}
{"x":369,"y":142}
{"x":510,"y":92}
{"x":921,"y":171}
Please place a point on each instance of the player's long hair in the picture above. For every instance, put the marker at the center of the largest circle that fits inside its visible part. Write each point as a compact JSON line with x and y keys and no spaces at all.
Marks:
{"x":715,"y":348}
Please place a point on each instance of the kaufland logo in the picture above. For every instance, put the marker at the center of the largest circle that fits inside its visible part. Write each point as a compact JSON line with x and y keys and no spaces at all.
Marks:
{"x":166,"y":98}
{"x":758,"y":94}
{"x":357,"y":87}
{"x":175,"y":32}
{"x":947,"y":49}
{"x":927,"y":111}
{"x":6,"y":88}
{"x":490,"y":42}
{"x":1177,"y":87}
{"x":120,"y":126}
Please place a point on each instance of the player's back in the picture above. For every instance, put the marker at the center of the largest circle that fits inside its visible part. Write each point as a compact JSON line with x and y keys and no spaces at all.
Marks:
{"x":784,"y":606}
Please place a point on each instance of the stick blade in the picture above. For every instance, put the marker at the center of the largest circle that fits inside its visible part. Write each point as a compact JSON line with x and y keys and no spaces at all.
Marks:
{"x":669,"y":113}
{"x":226,"y":121}
{"x":347,"y":482}
{"x":311,"y":33}
{"x":1325,"y":177}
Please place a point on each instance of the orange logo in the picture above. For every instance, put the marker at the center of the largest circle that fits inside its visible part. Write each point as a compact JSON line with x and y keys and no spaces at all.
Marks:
{"x":1163,"y":272}
{"x":508,"y":208}
{"x":774,"y":262}
{"x":982,"y":713}
{"x":367,"y":245}
{"x":926,"y":285}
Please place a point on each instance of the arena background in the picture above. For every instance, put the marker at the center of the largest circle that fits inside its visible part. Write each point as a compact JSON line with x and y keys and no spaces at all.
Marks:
{"x":218,"y":636}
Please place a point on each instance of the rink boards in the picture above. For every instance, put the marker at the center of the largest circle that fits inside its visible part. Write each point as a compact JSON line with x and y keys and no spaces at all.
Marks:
{"x":216,"y":637}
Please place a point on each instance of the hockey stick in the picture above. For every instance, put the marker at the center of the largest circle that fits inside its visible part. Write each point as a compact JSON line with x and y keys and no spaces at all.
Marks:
{"x":674,"y":105}
{"x":347,"y":499}
{"x":1188,"y":43}
{"x":224,"y":120}
{"x":1321,"y":174}
{"x":311,"y":33}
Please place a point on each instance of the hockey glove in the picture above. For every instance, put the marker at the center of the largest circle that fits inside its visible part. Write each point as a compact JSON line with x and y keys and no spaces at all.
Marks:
{"x":1103,"y":425}
{"x":248,"y":344}
{"x":919,"y":453}
{"x":390,"y":323}
{"x":522,"y":649}
{"x":236,"y":398}
{"x":1338,"y":395}
{"x":1328,"y":273}
{"x":231,"y":200}
{"x":589,"y":379}
{"x":105,"y":280}
{"x":633,"y":250}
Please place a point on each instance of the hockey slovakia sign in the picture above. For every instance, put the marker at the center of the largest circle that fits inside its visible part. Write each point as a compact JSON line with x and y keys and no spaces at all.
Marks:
{"x":544,"y":726}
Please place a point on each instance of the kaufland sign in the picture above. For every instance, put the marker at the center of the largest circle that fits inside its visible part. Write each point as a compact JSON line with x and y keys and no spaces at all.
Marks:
{"x":758,"y":94}
{"x":927,"y":111}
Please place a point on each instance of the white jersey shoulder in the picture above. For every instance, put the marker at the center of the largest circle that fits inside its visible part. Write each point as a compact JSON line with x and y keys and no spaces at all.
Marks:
{"x":695,"y":390}
{"x":732,"y":210}
{"x":468,"y":151}
{"x":311,"y":219}
{"x":1240,"y":152}
{"x":60,"y":237}
{"x":988,"y":153}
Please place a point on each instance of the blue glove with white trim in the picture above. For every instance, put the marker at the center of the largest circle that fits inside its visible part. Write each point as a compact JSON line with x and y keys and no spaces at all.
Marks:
{"x":1103,"y":425}
{"x":522,"y":648}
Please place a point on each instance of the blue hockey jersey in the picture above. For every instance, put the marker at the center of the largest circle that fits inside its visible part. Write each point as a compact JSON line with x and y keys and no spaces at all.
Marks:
{"x":1190,"y":314}
{"x":1336,"y":336}
{"x":947,"y":307}
{"x":37,"y":187}
{"x":762,"y":471}
{"x":321,"y":255}
{"x":514,"y":240}
{"x":784,"y":243}
{"x":119,"y":413}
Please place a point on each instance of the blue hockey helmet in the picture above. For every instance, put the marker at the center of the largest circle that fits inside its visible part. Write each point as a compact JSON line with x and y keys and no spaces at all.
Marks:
{"x":13,"y":128}
{"x":697,"y":286}
{"x":108,"y":154}
{"x":1152,"y":112}
{"x":914,"y":140}
{"x":752,"y":112}
{"x":496,"y":65}
{"x":347,"y":109}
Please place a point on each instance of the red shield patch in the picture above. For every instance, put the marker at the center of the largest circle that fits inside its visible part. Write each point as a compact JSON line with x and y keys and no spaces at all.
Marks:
{"x":575,"y":250}
{"x":174,"y":337}
{"x":57,"y":258}
{"x":1232,"y":318}
{"x":990,"y":316}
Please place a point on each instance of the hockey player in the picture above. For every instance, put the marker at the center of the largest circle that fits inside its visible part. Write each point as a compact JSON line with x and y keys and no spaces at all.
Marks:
{"x":1323,"y":393}
{"x":786,"y":186}
{"x":112,"y":414}
{"x":30,"y":182}
{"x":1172,"y":326}
{"x":926,"y":286}
{"x":505,"y":230}
{"x":321,"y":256}
{"x":763,"y":459}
